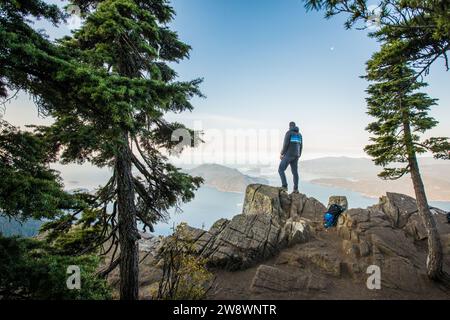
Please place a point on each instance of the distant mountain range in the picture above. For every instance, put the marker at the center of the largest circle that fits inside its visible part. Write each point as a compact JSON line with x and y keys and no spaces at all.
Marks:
{"x":360,"y":175}
{"x":224,"y":178}
{"x":355,"y":174}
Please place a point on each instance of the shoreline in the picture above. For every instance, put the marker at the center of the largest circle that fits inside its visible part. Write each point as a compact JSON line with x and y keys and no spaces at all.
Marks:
{"x":372,"y":196}
{"x":221,"y":190}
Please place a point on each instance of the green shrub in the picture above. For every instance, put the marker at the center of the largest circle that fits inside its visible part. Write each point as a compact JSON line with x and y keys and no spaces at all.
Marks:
{"x":30,"y":269}
{"x":185,"y":275}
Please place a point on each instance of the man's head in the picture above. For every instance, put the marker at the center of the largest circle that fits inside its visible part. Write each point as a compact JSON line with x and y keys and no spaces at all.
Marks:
{"x":291,"y":125}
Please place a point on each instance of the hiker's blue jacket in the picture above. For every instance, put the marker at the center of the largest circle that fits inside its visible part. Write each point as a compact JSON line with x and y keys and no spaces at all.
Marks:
{"x":293,"y":143}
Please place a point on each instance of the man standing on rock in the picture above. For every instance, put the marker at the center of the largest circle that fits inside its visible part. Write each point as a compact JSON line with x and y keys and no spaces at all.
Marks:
{"x":291,"y":152}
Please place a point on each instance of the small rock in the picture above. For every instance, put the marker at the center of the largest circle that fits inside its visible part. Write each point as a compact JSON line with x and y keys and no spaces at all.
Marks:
{"x":271,"y":279}
{"x":364,"y":249}
{"x":339,"y":200}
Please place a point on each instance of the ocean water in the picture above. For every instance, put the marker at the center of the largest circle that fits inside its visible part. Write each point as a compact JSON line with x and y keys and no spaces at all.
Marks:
{"x":444,"y":205}
{"x":209,"y":205}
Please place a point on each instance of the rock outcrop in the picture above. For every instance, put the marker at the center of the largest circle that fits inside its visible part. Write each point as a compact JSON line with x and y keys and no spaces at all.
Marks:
{"x":390,"y":235}
{"x":277,"y":248}
{"x":266,"y":225}
{"x":403,"y":214}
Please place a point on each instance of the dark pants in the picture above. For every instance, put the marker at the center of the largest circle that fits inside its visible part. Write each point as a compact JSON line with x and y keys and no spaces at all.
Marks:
{"x":293,"y":162}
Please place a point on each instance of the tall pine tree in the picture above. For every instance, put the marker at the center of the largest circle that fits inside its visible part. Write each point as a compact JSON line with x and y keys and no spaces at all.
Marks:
{"x":124,"y":128}
{"x":401,"y":116}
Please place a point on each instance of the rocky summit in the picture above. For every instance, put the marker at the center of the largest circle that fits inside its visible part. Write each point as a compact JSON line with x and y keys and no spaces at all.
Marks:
{"x":277,"y":248}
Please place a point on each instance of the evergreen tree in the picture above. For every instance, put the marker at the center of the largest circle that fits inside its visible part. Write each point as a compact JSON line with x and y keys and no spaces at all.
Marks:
{"x":100,"y":97}
{"x":124,"y":127}
{"x":28,"y":187}
{"x":31,"y":63}
{"x":26,"y":56}
{"x":401,"y":116}
{"x":413,"y":34}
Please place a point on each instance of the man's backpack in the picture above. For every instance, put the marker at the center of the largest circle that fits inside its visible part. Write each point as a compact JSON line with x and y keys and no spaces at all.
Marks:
{"x":330,"y":217}
{"x":297,"y":140}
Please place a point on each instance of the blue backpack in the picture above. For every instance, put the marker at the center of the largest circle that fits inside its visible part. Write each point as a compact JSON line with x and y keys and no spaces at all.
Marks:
{"x":330,"y":217}
{"x":297,"y":141}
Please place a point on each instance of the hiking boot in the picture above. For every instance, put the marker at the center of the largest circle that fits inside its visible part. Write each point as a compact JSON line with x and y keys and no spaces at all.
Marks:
{"x":284,"y":189}
{"x":295,"y":191}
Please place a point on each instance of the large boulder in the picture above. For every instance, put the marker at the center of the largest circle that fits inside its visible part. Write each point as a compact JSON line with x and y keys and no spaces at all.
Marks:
{"x":387,"y":235}
{"x":306,"y":208}
{"x":265,"y":226}
{"x":263,"y":199}
{"x":398,"y":207}
{"x":269,"y":279}
{"x":245,"y":239}
{"x":403,"y":214}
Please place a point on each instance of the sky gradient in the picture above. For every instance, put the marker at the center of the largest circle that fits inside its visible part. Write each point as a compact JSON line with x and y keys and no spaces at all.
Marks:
{"x":268,"y":62}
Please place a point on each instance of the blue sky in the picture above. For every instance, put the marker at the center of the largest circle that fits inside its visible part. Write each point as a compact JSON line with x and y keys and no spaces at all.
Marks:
{"x":270,"y":61}
{"x":267,"y":62}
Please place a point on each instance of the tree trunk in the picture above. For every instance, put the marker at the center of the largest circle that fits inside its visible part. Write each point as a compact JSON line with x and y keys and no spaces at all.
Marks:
{"x":435,"y":256}
{"x":128,"y":233}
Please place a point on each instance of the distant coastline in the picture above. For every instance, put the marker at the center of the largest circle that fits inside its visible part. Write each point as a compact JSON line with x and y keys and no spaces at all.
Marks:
{"x":373,"y":189}
{"x":218,"y":188}
{"x":225,"y":179}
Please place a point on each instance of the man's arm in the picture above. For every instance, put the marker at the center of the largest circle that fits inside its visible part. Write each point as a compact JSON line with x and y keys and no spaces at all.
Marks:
{"x":286,"y":141}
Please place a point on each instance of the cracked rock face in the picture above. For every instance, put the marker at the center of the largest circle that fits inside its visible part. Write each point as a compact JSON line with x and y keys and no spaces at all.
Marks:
{"x":390,"y":235}
{"x":403,"y":214}
{"x":267,"y":224}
